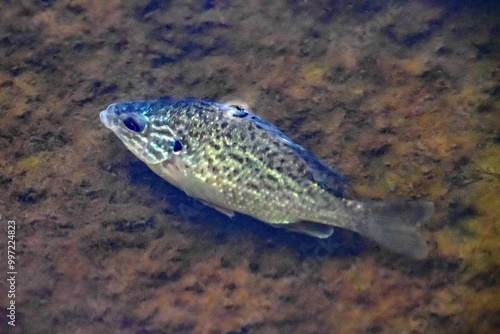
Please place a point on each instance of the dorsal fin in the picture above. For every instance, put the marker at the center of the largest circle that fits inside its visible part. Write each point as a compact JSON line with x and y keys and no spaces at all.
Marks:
{"x":328,"y":178}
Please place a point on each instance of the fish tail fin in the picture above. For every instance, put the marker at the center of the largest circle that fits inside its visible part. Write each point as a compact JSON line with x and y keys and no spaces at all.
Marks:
{"x":392,"y":224}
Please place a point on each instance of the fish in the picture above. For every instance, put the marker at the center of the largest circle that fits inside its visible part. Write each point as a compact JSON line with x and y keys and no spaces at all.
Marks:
{"x":234,"y":161}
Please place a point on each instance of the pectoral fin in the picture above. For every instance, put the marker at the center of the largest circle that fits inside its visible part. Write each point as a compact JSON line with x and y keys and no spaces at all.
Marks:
{"x":175,"y":172}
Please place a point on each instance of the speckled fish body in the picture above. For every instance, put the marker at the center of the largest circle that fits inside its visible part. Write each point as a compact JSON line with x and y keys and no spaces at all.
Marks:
{"x":232,"y":160}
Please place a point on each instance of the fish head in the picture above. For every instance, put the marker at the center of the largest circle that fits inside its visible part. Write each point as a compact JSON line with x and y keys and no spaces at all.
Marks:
{"x":135,"y":123}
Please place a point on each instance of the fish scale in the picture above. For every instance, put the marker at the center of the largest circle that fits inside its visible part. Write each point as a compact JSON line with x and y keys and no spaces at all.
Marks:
{"x":213,"y":162}
{"x":251,"y":190}
{"x":232,"y":160}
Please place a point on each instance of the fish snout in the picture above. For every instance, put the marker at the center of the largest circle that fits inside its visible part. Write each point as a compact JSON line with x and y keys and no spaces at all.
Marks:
{"x":108,"y":115}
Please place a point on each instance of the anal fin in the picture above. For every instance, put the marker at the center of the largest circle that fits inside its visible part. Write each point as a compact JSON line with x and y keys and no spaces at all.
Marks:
{"x":311,"y":229}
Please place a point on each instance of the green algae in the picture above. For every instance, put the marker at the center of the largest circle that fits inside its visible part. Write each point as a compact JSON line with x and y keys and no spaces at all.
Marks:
{"x":489,"y":162}
{"x":477,"y":245}
{"x":30,"y":164}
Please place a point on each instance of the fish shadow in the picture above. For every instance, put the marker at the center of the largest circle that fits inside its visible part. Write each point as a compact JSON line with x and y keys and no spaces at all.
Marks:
{"x":220,"y":228}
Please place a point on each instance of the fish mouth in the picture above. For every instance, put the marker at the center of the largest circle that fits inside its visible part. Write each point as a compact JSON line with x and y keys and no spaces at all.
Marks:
{"x":107,"y":116}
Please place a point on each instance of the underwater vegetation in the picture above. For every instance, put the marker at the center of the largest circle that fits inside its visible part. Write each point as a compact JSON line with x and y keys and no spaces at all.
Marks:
{"x":403,"y":99}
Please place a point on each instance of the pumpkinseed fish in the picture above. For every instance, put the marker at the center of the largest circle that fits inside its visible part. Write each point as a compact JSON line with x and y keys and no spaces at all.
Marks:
{"x":233,"y":161}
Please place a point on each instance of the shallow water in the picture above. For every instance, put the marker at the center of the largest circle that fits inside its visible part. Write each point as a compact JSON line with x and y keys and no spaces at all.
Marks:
{"x":402,"y":97}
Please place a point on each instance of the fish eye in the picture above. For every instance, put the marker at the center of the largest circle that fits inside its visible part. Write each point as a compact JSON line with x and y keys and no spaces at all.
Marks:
{"x":133,"y":125}
{"x":176,"y":146}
